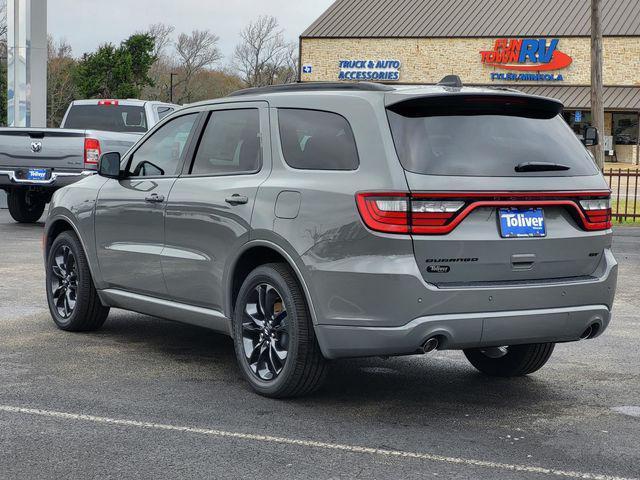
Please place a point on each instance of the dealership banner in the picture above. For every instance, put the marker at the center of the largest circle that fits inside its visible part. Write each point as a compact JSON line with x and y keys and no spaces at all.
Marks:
{"x":529,"y":59}
{"x":372,"y":70}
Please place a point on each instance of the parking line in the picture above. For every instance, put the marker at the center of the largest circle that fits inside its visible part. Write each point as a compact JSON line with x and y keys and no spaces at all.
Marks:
{"x":310,"y":443}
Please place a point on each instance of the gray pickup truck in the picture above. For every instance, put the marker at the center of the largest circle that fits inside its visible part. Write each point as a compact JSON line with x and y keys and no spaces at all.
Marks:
{"x":35,"y":162}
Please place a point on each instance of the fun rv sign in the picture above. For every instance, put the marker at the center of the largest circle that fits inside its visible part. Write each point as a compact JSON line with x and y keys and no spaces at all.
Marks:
{"x":529,"y":59}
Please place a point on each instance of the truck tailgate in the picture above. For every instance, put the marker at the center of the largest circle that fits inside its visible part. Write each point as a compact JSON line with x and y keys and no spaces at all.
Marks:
{"x":58,"y":149}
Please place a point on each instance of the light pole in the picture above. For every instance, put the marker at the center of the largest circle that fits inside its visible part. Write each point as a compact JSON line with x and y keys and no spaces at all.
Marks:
{"x":597,"y":88}
{"x":172,"y":74}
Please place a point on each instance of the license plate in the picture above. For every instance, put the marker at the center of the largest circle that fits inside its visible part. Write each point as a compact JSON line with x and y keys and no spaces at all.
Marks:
{"x":37,"y":174}
{"x":522,"y":223}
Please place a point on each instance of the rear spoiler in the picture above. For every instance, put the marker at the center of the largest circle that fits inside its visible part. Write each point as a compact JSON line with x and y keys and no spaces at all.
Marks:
{"x":476,"y":103}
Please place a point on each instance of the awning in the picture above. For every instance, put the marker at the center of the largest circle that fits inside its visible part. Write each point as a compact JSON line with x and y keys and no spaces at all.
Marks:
{"x":579,"y":98}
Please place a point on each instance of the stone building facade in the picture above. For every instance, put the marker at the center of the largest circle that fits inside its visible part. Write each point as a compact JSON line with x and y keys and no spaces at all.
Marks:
{"x":353,"y":39}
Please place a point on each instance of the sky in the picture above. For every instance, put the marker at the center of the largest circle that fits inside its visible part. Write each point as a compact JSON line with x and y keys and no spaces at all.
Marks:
{"x":85,"y":24}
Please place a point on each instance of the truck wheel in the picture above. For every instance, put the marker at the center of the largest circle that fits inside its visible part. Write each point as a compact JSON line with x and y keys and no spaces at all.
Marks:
{"x":274,"y":339}
{"x":71,"y":295}
{"x":513,"y":361}
{"x":24,"y":206}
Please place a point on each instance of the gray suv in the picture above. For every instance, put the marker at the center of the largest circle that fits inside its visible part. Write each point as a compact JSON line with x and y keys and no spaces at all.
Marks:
{"x":313,"y":222}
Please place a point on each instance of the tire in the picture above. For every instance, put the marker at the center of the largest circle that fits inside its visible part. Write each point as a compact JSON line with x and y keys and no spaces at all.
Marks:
{"x":289,"y":331}
{"x":25,"y":207}
{"x":513,"y":361}
{"x":75,"y":308}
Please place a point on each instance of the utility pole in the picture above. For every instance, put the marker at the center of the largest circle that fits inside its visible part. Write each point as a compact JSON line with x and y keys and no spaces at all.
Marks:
{"x":597,"y":88}
{"x":171,"y":86}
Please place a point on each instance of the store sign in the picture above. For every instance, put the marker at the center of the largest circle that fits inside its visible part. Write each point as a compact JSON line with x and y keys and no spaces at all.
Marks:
{"x":370,"y":70}
{"x":537,"y":58}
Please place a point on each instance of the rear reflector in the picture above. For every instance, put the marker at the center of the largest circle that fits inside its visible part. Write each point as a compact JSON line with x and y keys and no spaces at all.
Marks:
{"x":91,"y":151}
{"x":440,"y":212}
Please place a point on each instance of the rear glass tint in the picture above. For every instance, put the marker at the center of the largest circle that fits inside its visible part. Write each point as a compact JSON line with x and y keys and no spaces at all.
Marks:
{"x":109,"y":118}
{"x":485,"y":137}
{"x":315,"y":140}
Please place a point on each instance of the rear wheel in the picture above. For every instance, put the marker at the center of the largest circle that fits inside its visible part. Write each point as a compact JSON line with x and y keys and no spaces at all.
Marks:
{"x":25,"y":206}
{"x":71,"y":295}
{"x":274,"y":338}
{"x":512,"y":361}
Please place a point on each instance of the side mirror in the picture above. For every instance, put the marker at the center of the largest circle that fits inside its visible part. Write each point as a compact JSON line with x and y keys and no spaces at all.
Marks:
{"x":109,"y":165}
{"x":590,"y":136}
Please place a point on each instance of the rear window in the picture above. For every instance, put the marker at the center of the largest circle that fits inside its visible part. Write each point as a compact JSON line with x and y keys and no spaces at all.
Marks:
{"x":486,"y":136}
{"x":316,"y":140}
{"x":110,"y":118}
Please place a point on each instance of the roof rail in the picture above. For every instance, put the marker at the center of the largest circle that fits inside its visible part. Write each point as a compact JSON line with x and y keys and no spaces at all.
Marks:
{"x":451,"y":81}
{"x":314,"y":86}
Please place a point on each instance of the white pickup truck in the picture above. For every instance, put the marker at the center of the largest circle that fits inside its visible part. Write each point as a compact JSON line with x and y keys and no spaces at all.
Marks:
{"x":35,"y":162}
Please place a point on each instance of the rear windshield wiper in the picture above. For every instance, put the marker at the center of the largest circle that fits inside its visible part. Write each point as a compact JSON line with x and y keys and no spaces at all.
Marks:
{"x":540,"y":167}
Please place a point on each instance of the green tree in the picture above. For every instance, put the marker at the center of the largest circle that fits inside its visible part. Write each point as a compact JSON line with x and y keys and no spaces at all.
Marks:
{"x":116,"y":72}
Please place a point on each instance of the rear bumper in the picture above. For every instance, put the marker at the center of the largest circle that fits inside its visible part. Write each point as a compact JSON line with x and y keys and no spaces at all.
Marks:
{"x":464,"y":331}
{"x":9,"y":179}
{"x":464,"y":317}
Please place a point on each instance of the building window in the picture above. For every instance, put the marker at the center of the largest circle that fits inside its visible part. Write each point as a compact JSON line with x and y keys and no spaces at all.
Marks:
{"x":583,"y":119}
{"x":625,"y":128}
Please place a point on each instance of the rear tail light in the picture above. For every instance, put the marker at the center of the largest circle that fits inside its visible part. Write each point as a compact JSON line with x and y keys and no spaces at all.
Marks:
{"x":401,"y":213}
{"x":107,"y":103}
{"x":597,"y":212}
{"x":91,"y":151}
{"x":439,"y":213}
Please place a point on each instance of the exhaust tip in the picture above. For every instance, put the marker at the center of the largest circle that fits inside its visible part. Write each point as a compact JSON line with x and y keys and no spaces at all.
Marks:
{"x":590,"y":332}
{"x":430,"y":345}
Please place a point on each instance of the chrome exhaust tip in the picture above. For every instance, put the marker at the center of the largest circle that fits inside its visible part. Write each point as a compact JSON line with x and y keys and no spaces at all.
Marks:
{"x":430,"y":345}
{"x":588,"y":333}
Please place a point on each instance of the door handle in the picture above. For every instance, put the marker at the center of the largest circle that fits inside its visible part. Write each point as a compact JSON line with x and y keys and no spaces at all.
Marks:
{"x":237,"y":199}
{"x":154,"y":198}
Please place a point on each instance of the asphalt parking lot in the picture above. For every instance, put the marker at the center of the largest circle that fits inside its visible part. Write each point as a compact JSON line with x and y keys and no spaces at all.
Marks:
{"x":148,"y":398}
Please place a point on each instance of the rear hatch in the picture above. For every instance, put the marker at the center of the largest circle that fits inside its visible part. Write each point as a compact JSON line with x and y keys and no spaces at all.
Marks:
{"x":501,"y":190}
{"x":58,"y":149}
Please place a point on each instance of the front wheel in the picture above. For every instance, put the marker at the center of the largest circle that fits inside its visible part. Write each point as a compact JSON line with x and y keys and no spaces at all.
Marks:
{"x":511,"y":361}
{"x":274,"y":339}
{"x":71,"y":295}
{"x":25,"y":206}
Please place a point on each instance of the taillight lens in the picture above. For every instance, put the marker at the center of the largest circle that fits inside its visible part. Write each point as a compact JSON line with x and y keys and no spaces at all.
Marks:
{"x":597,"y":212}
{"x":384,"y":212}
{"x":439,"y":213}
{"x":400,"y":213}
{"x":107,"y":103}
{"x":91,"y":151}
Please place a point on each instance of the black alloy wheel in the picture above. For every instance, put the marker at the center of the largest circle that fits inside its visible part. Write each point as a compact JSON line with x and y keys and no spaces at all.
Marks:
{"x":274,"y":336}
{"x":73,"y":301}
{"x":64,"y":281}
{"x":265,"y":332}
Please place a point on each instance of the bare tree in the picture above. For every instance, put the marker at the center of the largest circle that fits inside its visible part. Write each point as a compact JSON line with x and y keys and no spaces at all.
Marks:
{"x":61,"y":86}
{"x":195,"y":53}
{"x":3,"y":20}
{"x":263,"y":57}
{"x":161,"y":34}
{"x":161,"y":69}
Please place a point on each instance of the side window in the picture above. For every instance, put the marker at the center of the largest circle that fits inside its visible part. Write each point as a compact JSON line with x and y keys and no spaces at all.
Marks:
{"x":160,"y":154}
{"x":230,"y":144}
{"x":163,"y":111}
{"x":315,"y":140}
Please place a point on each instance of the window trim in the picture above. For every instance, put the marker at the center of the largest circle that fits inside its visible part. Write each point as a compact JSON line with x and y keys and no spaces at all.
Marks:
{"x":330,"y":170}
{"x":207,"y":114}
{"x":186,"y":150}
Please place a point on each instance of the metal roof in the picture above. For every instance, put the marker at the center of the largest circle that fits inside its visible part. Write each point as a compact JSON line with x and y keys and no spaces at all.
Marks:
{"x":472,"y":18}
{"x":615,"y":98}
